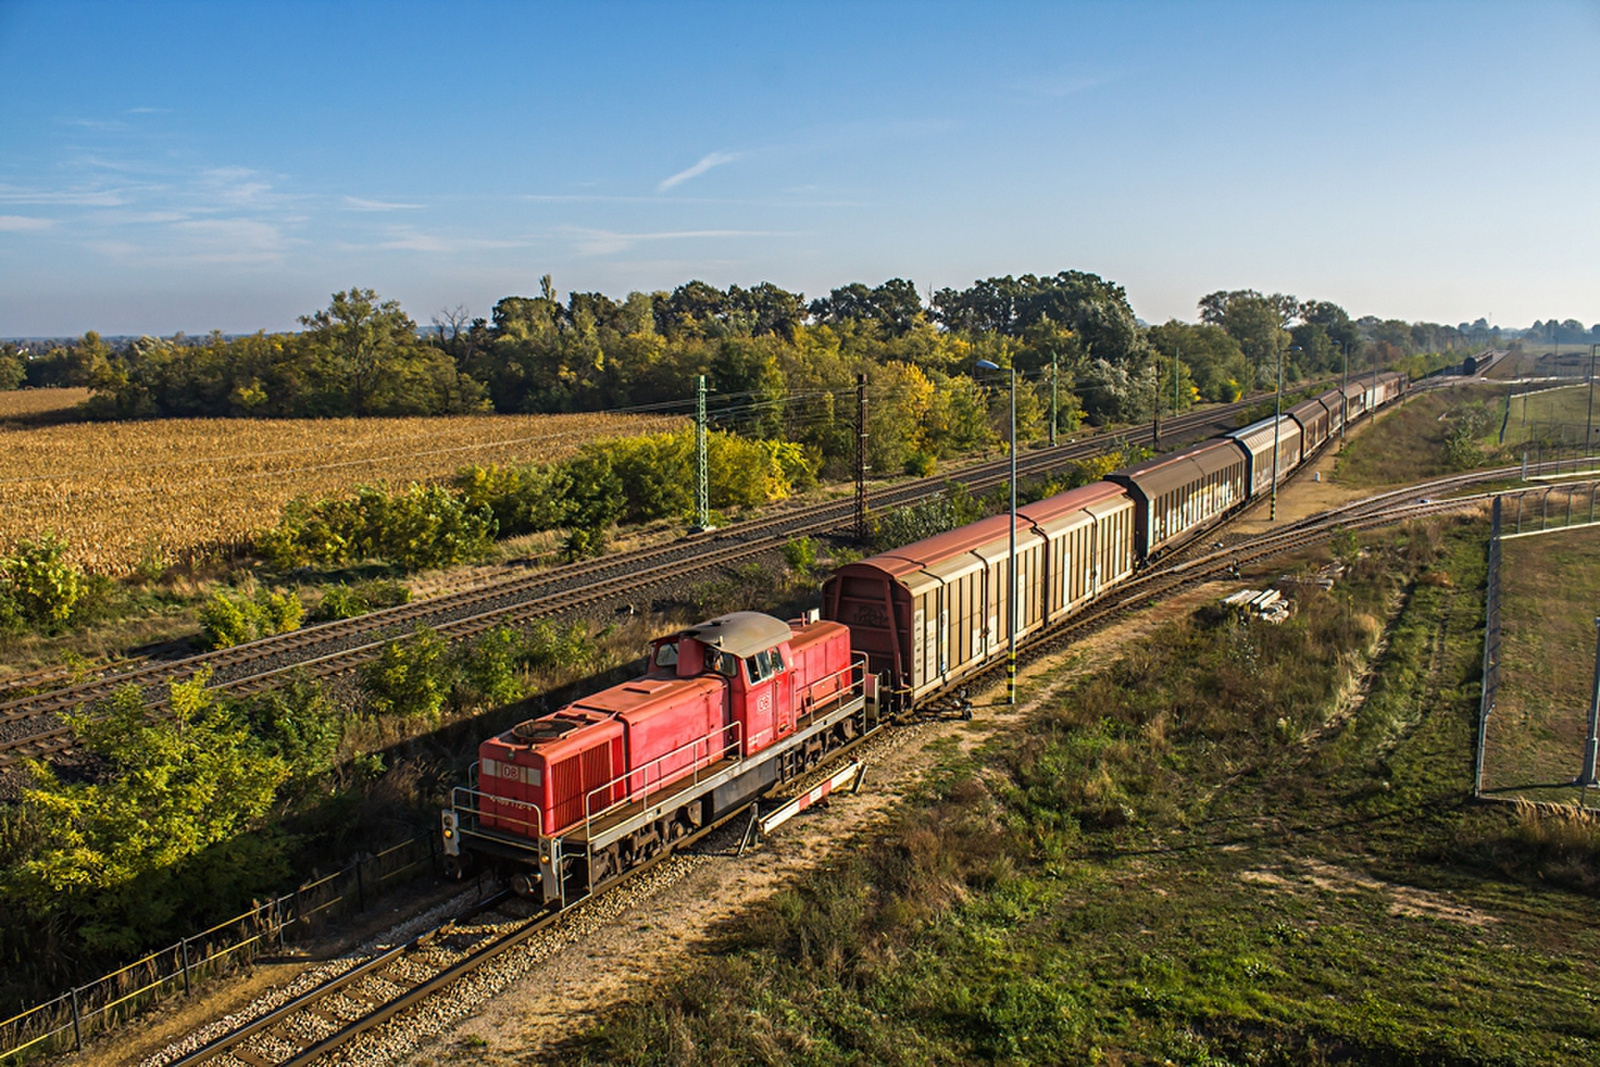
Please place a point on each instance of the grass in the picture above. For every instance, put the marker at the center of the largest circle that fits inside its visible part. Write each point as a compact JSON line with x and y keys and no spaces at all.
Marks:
{"x":1207,"y":853}
{"x":1414,"y":444}
{"x":1550,"y":587}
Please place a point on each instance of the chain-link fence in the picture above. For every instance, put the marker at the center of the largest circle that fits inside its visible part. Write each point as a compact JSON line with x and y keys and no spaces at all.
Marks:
{"x":1556,"y":459}
{"x":1551,"y":507}
{"x":68,"y":1020}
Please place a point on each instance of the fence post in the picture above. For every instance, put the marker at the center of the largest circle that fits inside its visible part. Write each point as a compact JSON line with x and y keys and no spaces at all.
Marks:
{"x":1491,"y":647}
{"x":433,"y":853}
{"x":77,"y":1024}
{"x":282,"y":922}
{"x":184,"y":946}
{"x":361,"y":889}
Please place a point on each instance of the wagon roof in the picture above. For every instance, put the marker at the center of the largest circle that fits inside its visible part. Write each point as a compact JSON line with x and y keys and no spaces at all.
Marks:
{"x":1054,"y":507}
{"x":1164,"y":473}
{"x":1308,"y":409}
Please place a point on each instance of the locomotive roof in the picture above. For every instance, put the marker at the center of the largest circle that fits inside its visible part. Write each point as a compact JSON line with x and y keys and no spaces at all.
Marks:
{"x":742,"y":633}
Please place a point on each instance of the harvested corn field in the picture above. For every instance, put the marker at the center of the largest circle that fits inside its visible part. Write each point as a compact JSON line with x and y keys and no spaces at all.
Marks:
{"x":124,"y":493}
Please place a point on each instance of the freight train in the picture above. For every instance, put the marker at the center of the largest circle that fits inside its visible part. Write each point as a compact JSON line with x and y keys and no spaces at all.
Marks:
{"x":564,"y":805}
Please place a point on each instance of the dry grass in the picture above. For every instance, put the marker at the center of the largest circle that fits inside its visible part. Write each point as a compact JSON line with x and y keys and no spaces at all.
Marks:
{"x":131,"y":492}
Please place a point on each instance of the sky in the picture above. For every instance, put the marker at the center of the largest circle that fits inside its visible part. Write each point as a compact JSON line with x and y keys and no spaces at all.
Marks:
{"x":186,"y":167}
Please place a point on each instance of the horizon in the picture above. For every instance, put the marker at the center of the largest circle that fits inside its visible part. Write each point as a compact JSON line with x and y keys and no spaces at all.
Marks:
{"x":227,"y":167}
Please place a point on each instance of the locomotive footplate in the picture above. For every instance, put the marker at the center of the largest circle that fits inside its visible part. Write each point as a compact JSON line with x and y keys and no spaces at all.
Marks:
{"x":718,"y":777}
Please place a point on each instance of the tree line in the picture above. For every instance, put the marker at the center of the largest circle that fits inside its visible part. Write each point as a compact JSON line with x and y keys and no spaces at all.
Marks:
{"x":776,"y":364}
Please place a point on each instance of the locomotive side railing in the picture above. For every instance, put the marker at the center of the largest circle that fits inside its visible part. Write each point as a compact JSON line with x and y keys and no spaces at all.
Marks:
{"x":701,"y":755}
{"x":531,"y":827}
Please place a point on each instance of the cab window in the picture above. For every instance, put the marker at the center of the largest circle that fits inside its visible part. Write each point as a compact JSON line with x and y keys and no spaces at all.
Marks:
{"x":763,"y":665}
{"x":727,"y":664}
{"x":667,"y":654}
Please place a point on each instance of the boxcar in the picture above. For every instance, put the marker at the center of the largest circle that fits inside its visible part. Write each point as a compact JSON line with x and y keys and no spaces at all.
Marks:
{"x":1089,"y":538}
{"x":931,"y":612}
{"x":1313,"y":420}
{"x":1333,"y":401}
{"x":1355,"y":399}
{"x":935,"y":610}
{"x":1174,"y":494}
{"x":1256,"y":442}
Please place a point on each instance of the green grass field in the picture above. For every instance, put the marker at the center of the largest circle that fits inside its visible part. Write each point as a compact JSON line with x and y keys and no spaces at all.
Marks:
{"x":1412,"y":443}
{"x":1550,"y":587}
{"x":1234,"y":845}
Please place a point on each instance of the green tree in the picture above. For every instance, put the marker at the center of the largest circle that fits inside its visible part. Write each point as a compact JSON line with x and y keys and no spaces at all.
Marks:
{"x":1256,"y":321}
{"x":357,"y":342}
{"x":13,"y":367}
{"x":176,"y":785}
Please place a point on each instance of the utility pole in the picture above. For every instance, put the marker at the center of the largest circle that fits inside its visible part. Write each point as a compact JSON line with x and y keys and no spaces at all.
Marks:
{"x":1344,"y":394}
{"x":861,"y":457}
{"x":1176,"y":351}
{"x":1054,"y":370}
{"x":1588,"y":426}
{"x":702,"y":482}
{"x":1277,"y":428}
{"x":1155,"y":407}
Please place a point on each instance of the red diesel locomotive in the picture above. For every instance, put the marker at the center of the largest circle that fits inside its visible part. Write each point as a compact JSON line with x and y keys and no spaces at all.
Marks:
{"x":728,"y":709}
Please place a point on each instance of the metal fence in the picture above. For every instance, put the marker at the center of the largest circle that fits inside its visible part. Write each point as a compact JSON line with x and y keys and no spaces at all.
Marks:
{"x":68,"y":1020}
{"x":1491,"y":646}
{"x":1552,"y":507}
{"x":1555,"y":459}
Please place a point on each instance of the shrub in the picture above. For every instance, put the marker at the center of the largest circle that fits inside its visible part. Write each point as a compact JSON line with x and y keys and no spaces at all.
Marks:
{"x":410,"y":678}
{"x":421,"y":526}
{"x":801,"y":555}
{"x":39,"y":583}
{"x":227,"y":620}
{"x":298,"y":724}
{"x":346,"y":602}
{"x":488,"y":671}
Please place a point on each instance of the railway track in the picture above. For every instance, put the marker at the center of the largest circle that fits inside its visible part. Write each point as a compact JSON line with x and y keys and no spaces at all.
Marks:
{"x":31,"y":727}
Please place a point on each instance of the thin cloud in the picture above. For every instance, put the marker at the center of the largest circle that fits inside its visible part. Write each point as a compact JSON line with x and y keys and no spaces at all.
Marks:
{"x":148,"y":111}
{"x":11,"y":194}
{"x":715,"y":159}
{"x":1061,"y":84}
{"x":608,"y":242}
{"x":24,"y":223}
{"x":360,"y":203}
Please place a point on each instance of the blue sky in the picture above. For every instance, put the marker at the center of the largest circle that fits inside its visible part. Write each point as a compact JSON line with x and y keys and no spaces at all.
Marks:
{"x":170,"y":166}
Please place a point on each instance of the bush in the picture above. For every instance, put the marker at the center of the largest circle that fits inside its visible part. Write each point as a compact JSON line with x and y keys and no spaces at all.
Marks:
{"x":419,"y":527}
{"x":801,"y":555}
{"x":38,"y":583}
{"x":298,"y":724}
{"x":347,"y":602}
{"x":410,"y":678}
{"x":227,"y":620}
{"x":522,"y":500}
{"x":488,"y":671}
